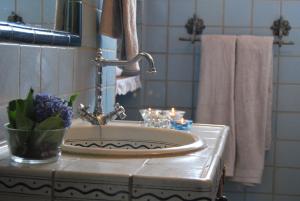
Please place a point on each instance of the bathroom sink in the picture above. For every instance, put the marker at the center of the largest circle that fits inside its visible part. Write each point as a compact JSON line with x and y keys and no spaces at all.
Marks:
{"x":129,"y":140}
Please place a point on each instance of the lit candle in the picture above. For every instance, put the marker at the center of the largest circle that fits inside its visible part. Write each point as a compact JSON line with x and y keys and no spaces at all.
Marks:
{"x":173,"y":113}
{"x":181,"y":121}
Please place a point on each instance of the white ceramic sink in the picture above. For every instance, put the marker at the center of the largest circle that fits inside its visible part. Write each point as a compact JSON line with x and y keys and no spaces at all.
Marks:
{"x":129,"y":140}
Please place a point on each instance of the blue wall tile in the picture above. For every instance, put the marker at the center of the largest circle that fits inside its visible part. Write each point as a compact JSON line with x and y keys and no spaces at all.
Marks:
{"x":160,"y":17}
{"x":235,"y":196}
{"x":6,"y":7}
{"x":109,"y":99}
{"x":258,"y":197}
{"x":181,"y":11}
{"x":289,"y":70}
{"x":155,"y":39}
{"x":211,"y":11}
{"x":265,"y":12}
{"x":180,"y":67}
{"x":177,"y":46}
{"x":287,"y":152}
{"x":286,"y":198}
{"x":292,"y":50}
{"x":290,"y":11}
{"x":238,"y":13}
{"x":267,"y":182}
{"x":237,"y":31}
{"x":49,"y":11}
{"x":287,"y":181}
{"x":108,"y":42}
{"x":180,"y":94}
{"x":289,"y":98}
{"x":288,"y":126}
{"x":26,"y":11}
{"x":155,"y":94}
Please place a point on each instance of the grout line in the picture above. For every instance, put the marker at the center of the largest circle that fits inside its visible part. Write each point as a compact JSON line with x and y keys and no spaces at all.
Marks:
{"x":252,"y":17}
{"x":223,"y":16}
{"x":275,"y":136}
{"x":19,"y":84}
{"x":167,"y":54}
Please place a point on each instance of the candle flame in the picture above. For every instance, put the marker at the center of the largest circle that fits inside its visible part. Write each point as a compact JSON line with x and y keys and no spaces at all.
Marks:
{"x":182,"y":120}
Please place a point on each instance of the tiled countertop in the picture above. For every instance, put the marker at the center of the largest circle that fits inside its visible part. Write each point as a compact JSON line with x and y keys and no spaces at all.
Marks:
{"x":193,"y":176}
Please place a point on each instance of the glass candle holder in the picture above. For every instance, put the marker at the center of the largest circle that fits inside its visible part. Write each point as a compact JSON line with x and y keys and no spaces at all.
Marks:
{"x":155,"y":118}
{"x":175,"y":115}
{"x":181,"y":125}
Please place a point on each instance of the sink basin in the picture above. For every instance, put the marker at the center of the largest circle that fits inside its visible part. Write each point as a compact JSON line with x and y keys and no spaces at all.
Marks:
{"x":129,"y":140}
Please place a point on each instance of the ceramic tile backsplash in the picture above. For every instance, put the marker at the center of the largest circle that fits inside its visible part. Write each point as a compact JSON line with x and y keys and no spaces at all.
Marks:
{"x":49,"y":70}
{"x":27,"y":13}
{"x":44,"y":68}
{"x":30,"y":69}
{"x":9,"y":68}
{"x":211,"y":11}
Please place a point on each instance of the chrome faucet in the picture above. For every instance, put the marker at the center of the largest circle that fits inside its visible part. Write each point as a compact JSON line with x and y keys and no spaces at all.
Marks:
{"x":98,"y":117}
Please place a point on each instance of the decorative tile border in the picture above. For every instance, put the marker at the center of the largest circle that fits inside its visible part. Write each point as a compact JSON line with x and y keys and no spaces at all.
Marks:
{"x":90,"y":190}
{"x":120,"y":144}
{"x":18,"y":185}
{"x":147,"y":193}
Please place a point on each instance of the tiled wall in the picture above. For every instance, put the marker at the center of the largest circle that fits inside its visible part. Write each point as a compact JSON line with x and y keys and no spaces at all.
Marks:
{"x":43,"y":15}
{"x":175,"y":84}
{"x":109,"y":48}
{"x":57,"y":70}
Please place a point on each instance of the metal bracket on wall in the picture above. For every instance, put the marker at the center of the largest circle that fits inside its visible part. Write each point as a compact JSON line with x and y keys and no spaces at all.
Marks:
{"x":195,"y":27}
{"x":281,"y":28}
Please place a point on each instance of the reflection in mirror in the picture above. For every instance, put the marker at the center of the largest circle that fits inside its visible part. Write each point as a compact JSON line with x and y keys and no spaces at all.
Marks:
{"x":52,"y":22}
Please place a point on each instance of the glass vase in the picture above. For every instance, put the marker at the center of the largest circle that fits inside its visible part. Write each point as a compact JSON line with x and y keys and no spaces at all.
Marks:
{"x":34,"y":146}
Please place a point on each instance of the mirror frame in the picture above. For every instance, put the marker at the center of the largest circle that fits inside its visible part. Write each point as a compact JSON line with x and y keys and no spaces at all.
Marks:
{"x":13,"y":32}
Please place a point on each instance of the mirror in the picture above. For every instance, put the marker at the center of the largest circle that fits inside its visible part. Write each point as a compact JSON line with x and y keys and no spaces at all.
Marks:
{"x":51,"y":22}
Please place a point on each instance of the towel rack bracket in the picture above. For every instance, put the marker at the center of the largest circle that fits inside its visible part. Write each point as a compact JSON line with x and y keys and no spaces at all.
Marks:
{"x":195,"y":25}
{"x":281,"y":27}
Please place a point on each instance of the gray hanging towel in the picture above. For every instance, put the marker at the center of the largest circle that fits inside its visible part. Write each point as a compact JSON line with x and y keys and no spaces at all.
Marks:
{"x":118,"y":20}
{"x":253,"y":103}
{"x":216,"y":92}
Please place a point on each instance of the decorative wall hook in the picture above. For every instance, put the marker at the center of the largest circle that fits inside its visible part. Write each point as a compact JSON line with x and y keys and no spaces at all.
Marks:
{"x":194,"y":26}
{"x":281,"y":28}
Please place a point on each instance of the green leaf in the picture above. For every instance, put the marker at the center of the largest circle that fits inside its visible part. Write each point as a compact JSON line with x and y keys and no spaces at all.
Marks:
{"x":29,"y":105}
{"x":11,"y":112}
{"x":50,"y":123}
{"x":72,"y":99}
{"x":22,"y":121}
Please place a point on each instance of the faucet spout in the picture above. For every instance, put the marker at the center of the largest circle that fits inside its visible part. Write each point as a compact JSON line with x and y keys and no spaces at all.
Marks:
{"x":98,"y":117}
{"x":135,"y":59}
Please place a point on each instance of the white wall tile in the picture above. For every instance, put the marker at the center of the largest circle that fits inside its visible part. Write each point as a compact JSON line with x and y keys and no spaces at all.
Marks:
{"x":65,"y":70}
{"x":89,"y":31}
{"x":9,"y":68}
{"x":49,"y":70}
{"x":30,"y":69}
{"x":85,"y":70}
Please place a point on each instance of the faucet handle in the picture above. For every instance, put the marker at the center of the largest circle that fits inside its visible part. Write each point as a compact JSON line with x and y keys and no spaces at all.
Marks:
{"x":86,"y":115}
{"x":120,"y":111}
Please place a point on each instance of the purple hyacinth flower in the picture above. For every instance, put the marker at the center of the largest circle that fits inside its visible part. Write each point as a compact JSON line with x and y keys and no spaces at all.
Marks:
{"x":47,"y":106}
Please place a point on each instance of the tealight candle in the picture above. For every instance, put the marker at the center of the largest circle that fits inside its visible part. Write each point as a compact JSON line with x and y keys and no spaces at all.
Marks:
{"x":182,"y":124}
{"x":172,"y":113}
{"x":181,"y":121}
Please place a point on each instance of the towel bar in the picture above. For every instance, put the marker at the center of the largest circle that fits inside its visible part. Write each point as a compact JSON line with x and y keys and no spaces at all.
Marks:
{"x":280,"y":28}
{"x":276,"y":42}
